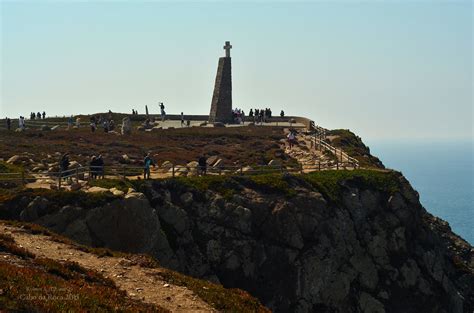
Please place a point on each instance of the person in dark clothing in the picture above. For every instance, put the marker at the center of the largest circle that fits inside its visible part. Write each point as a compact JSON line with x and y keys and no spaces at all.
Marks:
{"x":282,"y":113}
{"x":64,"y":164}
{"x":93,"y":167}
{"x":202,"y":162}
{"x":148,"y":162}
{"x":100,"y":166}
{"x":9,"y":123}
{"x":44,"y":115}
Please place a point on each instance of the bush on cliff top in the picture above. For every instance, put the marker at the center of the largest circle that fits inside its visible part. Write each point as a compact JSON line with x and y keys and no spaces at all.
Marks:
{"x":329,"y":183}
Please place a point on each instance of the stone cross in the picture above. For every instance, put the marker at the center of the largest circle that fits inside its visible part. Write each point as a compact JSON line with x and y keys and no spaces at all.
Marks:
{"x":227,"y":48}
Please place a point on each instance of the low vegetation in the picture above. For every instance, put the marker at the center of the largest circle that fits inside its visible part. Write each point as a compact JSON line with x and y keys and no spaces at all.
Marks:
{"x":354,"y":147}
{"x":329,"y":182}
{"x":225,"y":300}
{"x":70,"y":276}
{"x":234,"y":145}
{"x":45,"y":285}
{"x":120,"y":184}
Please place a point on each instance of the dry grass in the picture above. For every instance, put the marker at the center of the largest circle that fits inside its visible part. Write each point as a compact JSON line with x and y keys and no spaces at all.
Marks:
{"x":45,"y":285}
{"x":246,"y":145}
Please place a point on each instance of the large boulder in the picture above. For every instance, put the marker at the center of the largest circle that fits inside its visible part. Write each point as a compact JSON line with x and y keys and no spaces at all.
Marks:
{"x":126,"y":126}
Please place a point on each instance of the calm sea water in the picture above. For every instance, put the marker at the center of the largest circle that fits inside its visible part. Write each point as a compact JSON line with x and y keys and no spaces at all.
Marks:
{"x":442,"y":172}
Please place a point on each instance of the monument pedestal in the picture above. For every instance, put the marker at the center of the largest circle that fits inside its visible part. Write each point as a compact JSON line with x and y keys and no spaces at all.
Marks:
{"x":221,"y":106}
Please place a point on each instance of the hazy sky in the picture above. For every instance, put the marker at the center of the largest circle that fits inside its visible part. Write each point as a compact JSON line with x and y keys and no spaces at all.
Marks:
{"x":383,"y":69}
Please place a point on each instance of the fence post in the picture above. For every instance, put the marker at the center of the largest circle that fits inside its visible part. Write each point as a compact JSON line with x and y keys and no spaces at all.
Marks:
{"x":173,"y":170}
{"x":337,"y":164}
{"x":319,"y":165}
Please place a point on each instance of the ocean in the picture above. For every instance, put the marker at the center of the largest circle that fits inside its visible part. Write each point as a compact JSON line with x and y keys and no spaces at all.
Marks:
{"x":442,"y":173}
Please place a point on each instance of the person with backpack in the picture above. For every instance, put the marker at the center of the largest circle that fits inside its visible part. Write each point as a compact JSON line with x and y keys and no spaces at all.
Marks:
{"x":148,"y":162}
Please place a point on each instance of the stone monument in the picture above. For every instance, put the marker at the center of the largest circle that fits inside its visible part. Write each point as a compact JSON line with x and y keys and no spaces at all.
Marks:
{"x":126,"y":126}
{"x":221,"y":105}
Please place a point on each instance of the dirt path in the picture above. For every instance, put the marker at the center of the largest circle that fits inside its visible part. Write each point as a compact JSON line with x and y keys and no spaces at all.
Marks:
{"x":138,"y":282}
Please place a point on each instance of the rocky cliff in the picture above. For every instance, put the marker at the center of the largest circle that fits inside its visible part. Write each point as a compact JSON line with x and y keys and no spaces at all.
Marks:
{"x":335,"y":241}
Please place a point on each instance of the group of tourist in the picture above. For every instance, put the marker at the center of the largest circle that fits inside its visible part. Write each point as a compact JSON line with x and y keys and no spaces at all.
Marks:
{"x":96,"y":166}
{"x":238,"y":116}
{"x":21,"y":120}
{"x":37,"y":116}
{"x":107,"y":123}
{"x":260,"y":116}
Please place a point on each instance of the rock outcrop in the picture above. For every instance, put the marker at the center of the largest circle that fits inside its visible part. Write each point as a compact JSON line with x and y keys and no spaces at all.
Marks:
{"x":358,"y":245}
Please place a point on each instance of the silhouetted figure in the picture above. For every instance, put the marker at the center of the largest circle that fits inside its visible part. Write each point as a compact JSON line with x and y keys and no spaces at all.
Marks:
{"x":64,"y":164}
{"x":282,"y":113}
{"x":202,"y":163}
{"x":44,"y":115}
{"x":100,"y":166}
{"x":182,"y":119}
{"x":9,"y":123}
{"x":93,"y":167}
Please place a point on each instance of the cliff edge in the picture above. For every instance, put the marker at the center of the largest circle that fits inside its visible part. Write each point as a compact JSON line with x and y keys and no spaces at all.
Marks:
{"x":331,"y":241}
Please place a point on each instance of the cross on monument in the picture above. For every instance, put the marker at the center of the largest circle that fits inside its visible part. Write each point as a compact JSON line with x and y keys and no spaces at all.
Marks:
{"x":227,"y":48}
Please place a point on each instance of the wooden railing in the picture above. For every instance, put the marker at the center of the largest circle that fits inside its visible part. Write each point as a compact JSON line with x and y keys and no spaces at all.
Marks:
{"x":167,"y":171}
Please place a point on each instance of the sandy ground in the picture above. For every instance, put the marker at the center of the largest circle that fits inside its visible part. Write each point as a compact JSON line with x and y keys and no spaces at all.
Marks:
{"x":138,"y":282}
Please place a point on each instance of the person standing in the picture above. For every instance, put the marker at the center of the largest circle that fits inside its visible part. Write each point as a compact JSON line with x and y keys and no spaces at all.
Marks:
{"x":21,"y":123}
{"x":100,"y":166}
{"x":148,"y":162}
{"x":202,"y":163}
{"x":182,"y":119}
{"x":64,"y":164}
{"x":9,"y":123}
{"x":93,"y":167}
{"x":44,"y":115}
{"x":69,"y":122}
{"x":162,"y":110}
{"x":291,"y":138}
